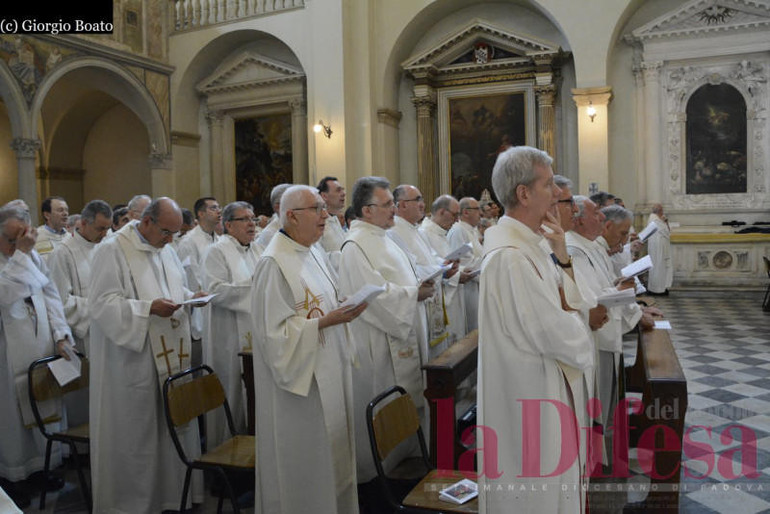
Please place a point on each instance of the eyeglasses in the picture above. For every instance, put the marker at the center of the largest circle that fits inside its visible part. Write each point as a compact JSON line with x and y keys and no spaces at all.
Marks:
{"x":318,"y":208}
{"x":571,"y":200}
{"x":214,"y":208}
{"x":388,"y":205}
{"x":471,"y":208}
{"x":245,"y":218}
{"x":165,"y":232}
{"x":455,"y":215}
{"x":416,"y":199}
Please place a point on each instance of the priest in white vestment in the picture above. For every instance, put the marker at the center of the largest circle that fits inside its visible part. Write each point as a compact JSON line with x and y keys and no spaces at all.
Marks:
{"x":333,"y":193}
{"x":70,"y":268}
{"x":191,"y":250}
{"x":595,"y":276}
{"x":466,"y":231}
{"x":302,"y":371}
{"x":531,"y":347}
{"x":410,"y":209}
{"x":264,"y":237}
{"x":390,"y":333}
{"x":445,"y":211}
{"x":54,"y":231}
{"x":140,"y":336}
{"x":228,"y":270}
{"x":659,"y":249}
{"x":32,"y":326}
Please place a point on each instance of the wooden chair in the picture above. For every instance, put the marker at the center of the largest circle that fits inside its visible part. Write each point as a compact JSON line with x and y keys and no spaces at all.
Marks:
{"x":43,"y":387}
{"x":186,"y":397}
{"x":766,"y":301}
{"x":393,"y":424}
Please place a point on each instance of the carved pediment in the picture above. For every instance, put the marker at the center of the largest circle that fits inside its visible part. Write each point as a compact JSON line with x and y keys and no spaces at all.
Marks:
{"x":498,"y":48}
{"x":702,"y":17}
{"x":249,"y":70}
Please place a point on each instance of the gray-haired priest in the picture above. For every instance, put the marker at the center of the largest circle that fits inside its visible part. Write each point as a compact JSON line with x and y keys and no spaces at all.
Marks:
{"x":531,"y":348}
{"x":302,"y":370}
{"x":139,"y":336}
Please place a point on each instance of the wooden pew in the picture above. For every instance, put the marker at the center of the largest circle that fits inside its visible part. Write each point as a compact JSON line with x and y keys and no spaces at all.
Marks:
{"x":657,"y":374}
{"x":443,"y":376}
{"x":248,"y":379}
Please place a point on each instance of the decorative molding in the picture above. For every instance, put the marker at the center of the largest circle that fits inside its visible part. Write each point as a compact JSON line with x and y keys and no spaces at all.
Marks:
{"x":596,"y":95}
{"x":249,"y":70}
{"x":389,"y":117}
{"x":161,"y":161}
{"x":25,"y":148}
{"x":705,"y":17}
{"x":185,"y":139}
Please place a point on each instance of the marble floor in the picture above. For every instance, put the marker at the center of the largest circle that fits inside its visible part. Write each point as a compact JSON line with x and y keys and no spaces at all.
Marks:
{"x":723,"y":344}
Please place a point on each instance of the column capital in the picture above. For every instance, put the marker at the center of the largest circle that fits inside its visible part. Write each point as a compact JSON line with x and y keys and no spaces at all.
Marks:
{"x":651,"y":69}
{"x":25,"y":148}
{"x":215,"y":117}
{"x":593,"y":95}
{"x":160,"y":161}
{"x":298,"y":107}
{"x":389,"y":117}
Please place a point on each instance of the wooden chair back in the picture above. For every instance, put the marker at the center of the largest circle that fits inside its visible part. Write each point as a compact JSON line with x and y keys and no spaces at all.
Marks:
{"x":394,"y":423}
{"x":44,"y":384}
{"x":188,"y":400}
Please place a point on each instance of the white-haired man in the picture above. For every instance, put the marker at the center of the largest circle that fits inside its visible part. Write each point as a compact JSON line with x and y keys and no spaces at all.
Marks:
{"x":302,"y":370}
{"x":264,"y":237}
{"x":32,"y":325}
{"x":462,"y":232}
{"x":227,"y":270}
{"x":531,"y":347}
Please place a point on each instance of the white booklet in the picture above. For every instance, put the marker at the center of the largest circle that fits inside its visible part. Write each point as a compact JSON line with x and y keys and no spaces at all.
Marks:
{"x":459,"y":253}
{"x":198,"y":302}
{"x":459,"y":493}
{"x":615,"y":298}
{"x":65,"y":371}
{"x":365,"y":294}
{"x":425,"y":273}
{"x":662,"y":324}
{"x":637,"y":267}
{"x":649,"y":230}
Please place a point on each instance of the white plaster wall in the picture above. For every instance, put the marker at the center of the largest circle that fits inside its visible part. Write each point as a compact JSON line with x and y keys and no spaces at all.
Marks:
{"x":115,"y":157}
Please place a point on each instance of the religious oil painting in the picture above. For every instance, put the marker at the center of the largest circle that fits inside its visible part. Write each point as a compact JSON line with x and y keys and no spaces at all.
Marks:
{"x":263,"y":158}
{"x":716,"y":141}
{"x":480,"y":128}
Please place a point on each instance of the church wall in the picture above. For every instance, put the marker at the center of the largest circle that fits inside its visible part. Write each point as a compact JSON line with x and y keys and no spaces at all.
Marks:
{"x":8,"y":174}
{"x":115,"y":157}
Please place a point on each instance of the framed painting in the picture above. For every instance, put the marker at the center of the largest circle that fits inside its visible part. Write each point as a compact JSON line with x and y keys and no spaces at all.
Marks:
{"x":716,"y":141}
{"x":476,"y":124}
{"x":263,"y":158}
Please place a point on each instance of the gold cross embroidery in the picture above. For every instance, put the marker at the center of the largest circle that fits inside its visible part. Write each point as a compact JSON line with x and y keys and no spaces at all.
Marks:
{"x":182,"y":355}
{"x":165,"y":353}
{"x":248,"y":347}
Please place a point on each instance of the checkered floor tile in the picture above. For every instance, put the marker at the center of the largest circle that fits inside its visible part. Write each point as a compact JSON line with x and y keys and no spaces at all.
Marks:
{"x":723,"y":345}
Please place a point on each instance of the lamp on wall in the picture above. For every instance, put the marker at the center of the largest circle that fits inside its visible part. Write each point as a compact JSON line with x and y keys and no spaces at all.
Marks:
{"x":327,"y":129}
{"x":591,"y":111}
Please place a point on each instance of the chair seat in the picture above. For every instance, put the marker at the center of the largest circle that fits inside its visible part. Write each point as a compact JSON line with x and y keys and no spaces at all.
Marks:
{"x":79,"y":432}
{"x":238,"y":452}
{"x":425,"y":494}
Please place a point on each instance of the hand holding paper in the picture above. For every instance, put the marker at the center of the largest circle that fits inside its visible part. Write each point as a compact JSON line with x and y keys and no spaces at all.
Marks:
{"x":366,"y":294}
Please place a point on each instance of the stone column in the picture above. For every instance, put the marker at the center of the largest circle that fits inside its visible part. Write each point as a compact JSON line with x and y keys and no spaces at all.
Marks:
{"x":26,"y":154}
{"x":593,"y":142}
{"x":162,"y":175}
{"x":654,"y":127}
{"x":299,"y":151}
{"x":427,"y":166}
{"x":546,"y":120}
{"x":639,"y":150}
{"x":215,"y":121}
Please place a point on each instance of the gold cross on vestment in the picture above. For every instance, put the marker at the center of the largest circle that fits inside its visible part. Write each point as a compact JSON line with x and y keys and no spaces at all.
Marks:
{"x":248,"y":347}
{"x":165,"y":353}
{"x":182,"y":355}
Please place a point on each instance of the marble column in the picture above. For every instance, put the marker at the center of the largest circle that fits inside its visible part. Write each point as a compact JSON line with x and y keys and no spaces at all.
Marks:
{"x":26,"y":154}
{"x":427,"y":165}
{"x":215,"y":121}
{"x":546,"y":120}
{"x":162,"y":175}
{"x":299,"y":129}
{"x":653,"y":142}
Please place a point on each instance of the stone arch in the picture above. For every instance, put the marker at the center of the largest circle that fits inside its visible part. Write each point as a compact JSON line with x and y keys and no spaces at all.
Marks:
{"x":116,"y":81}
{"x":15,"y":104}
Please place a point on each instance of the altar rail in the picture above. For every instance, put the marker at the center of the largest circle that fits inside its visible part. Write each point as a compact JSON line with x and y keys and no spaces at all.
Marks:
{"x":194,"y":14}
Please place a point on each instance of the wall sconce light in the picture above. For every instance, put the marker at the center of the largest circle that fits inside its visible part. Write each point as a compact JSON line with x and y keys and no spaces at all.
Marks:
{"x":327,"y":129}
{"x":591,"y":111}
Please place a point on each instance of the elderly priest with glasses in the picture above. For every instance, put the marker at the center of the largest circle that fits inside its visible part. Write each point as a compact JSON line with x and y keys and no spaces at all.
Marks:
{"x":302,"y":369}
